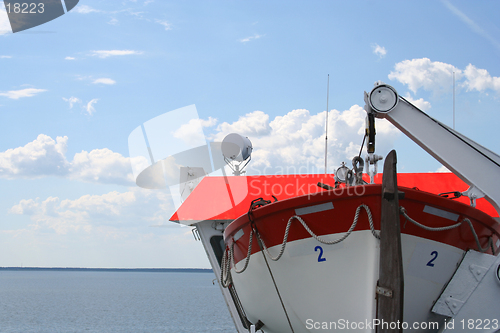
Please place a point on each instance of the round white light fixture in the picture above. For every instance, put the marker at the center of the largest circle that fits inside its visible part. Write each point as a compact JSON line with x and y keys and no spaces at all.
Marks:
{"x":236,"y":147}
{"x":341,"y":173}
{"x":237,"y":151}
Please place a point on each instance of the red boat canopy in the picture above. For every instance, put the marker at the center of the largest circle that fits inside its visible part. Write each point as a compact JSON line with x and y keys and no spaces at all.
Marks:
{"x":227,"y":198}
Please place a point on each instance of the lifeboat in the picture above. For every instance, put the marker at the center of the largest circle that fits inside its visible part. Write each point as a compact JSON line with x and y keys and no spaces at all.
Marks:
{"x":313,"y":260}
{"x":354,"y":250}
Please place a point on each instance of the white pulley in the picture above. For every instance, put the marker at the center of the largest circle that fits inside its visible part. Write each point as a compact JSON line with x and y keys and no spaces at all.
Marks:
{"x":383,"y":98}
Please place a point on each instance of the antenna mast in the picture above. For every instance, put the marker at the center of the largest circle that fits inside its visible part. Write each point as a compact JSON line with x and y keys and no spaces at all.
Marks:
{"x":326,"y":125}
{"x":453,"y":100}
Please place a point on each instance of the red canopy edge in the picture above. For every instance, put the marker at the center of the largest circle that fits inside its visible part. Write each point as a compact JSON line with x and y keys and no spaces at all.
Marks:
{"x":227,"y":198}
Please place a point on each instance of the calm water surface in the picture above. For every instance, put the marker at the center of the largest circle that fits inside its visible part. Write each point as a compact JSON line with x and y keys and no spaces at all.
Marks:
{"x":87,"y":301}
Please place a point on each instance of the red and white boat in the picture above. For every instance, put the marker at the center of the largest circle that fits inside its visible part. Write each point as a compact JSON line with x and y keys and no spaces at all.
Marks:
{"x":360,"y":252}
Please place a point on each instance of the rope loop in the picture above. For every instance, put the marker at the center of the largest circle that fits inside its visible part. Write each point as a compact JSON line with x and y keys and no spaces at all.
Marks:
{"x":228,"y":256}
{"x":405,"y":214}
{"x":456,"y":225}
{"x":249,"y":252}
{"x":319,"y":238}
{"x":225,"y":272}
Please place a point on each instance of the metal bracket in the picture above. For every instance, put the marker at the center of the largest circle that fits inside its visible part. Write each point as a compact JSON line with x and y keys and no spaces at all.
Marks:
{"x":390,"y":195}
{"x":196,"y":234}
{"x":256,"y":327}
{"x":454,"y":304}
{"x":383,"y":291}
{"x":473,"y":193}
{"x":190,"y":177}
{"x":220,"y":226}
{"x":478,"y":272}
{"x":472,"y":289}
{"x":372,"y":159}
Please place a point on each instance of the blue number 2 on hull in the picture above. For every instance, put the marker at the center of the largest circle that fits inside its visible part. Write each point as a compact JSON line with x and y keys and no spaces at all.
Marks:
{"x":320,"y":257}
{"x":435,"y":254}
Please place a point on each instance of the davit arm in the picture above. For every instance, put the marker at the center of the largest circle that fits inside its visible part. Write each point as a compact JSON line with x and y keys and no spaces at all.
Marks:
{"x":476,"y":165}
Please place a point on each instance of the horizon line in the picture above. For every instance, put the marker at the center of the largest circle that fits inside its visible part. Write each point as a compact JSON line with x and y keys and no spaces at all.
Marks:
{"x":104,"y":269}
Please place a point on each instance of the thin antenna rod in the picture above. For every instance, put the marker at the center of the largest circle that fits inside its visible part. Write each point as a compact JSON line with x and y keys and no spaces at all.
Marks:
{"x":326,"y":125}
{"x":453,"y":100}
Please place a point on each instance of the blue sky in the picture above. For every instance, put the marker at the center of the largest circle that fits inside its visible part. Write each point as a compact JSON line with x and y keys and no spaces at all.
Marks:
{"x":73,"y":89}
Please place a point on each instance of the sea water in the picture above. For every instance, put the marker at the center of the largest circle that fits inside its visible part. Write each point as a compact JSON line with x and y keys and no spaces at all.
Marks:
{"x":103,"y":301}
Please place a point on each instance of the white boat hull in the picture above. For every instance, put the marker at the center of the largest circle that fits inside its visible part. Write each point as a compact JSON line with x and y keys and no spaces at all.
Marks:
{"x":339,"y":292}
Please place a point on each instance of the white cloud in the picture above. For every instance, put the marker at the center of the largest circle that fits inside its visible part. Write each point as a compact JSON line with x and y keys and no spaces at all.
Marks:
{"x":83,"y":77}
{"x":419,"y":103}
{"x":16,"y":94}
{"x":137,"y":14}
{"x":209,"y":122}
{"x":72,"y":101}
{"x":41,"y":157}
{"x":109,"y":53}
{"x":423,"y":73}
{"x":84,"y":9}
{"x":113,"y":21}
{"x":69,"y":58}
{"x":192,"y":132}
{"x":24,"y":206}
{"x":379,"y":50}
{"x":5,"y":57}
{"x":295,"y":142}
{"x":247,"y":39}
{"x":46,"y":157}
{"x":104,"y":81}
{"x":252,"y":124}
{"x":438,"y":76}
{"x":480,"y":79}
{"x":166,"y":24}
{"x":442,"y":168}
{"x":113,"y":209}
{"x":89,"y":108}
{"x":101,"y":166}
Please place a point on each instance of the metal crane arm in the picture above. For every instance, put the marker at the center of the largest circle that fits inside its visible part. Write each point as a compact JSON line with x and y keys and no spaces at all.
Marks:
{"x":476,"y":165}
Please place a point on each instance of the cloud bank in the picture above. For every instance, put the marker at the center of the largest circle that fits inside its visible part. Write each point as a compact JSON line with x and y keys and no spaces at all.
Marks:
{"x":437,"y":76}
{"x":103,"y":212}
{"x":22,"y":93}
{"x":295,"y":142}
{"x":44,"y":157}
